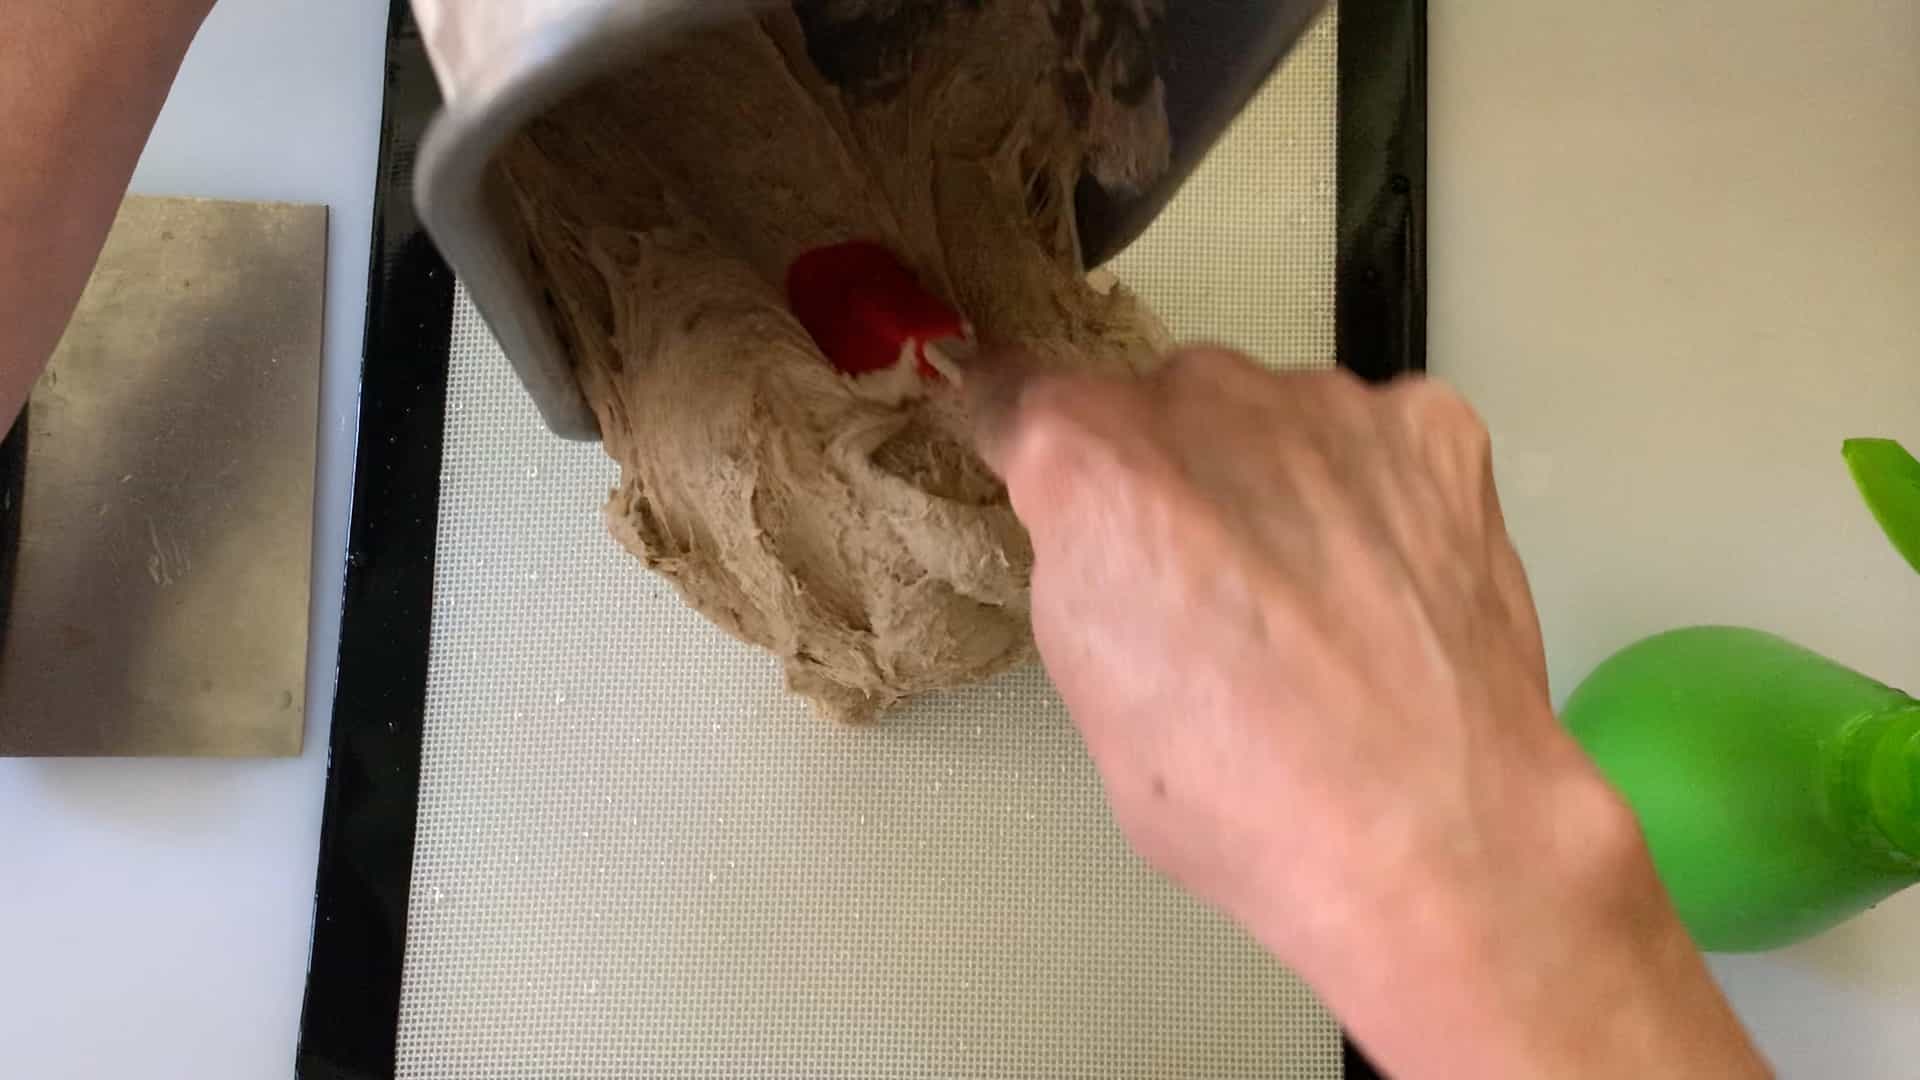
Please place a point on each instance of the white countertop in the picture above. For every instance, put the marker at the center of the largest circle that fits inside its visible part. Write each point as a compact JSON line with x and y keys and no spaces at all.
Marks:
{"x":1676,"y":259}
{"x":154,"y":915}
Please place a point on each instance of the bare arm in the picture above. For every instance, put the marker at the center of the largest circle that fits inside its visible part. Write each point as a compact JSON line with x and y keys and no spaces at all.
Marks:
{"x":81,"y":82}
{"x":1287,"y":617}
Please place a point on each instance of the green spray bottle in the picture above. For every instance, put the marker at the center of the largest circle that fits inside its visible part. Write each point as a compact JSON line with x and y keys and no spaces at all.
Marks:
{"x":1778,"y":790}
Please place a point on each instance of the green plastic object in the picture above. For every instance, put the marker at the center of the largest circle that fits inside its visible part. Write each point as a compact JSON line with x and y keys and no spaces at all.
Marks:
{"x":1889,"y":479}
{"x":1778,"y":790}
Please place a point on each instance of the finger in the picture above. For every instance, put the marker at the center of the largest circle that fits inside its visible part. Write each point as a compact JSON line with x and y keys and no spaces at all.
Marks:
{"x":996,"y":380}
{"x":1051,"y":442}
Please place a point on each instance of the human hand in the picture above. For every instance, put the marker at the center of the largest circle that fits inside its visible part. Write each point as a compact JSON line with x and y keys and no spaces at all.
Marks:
{"x":1287,"y":617}
{"x":81,"y":82}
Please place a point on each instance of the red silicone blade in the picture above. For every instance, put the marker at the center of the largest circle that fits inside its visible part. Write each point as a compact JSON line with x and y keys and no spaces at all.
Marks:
{"x":866,"y":310}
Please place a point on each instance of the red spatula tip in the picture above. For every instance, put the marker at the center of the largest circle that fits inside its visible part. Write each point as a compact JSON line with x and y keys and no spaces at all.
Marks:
{"x":867,"y":311}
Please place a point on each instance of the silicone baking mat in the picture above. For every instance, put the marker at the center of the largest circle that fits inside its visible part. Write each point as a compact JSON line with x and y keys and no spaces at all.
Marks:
{"x":627,"y":851}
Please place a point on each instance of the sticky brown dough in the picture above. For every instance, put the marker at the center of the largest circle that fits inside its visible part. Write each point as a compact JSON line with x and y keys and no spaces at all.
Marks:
{"x":858,"y":539}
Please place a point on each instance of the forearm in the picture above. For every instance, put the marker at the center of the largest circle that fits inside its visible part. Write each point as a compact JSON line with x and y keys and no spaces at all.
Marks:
{"x":81,"y":82}
{"x":1661,"y":1017}
{"x":1595,"y":977}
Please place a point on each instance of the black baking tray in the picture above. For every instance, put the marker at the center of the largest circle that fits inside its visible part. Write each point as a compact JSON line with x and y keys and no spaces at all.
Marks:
{"x":350,"y":1021}
{"x":13,"y":494}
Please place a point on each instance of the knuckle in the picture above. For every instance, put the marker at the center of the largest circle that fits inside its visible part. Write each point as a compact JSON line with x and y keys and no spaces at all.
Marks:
{"x":1203,"y":362}
{"x":1056,"y":420}
{"x":1047,"y":403}
{"x":1340,"y":388}
{"x":1438,"y":411}
{"x":1330,"y":400}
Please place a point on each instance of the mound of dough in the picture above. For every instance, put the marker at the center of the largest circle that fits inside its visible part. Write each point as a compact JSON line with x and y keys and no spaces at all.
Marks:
{"x":854,"y":535}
